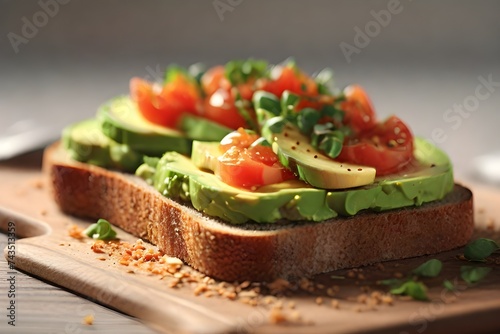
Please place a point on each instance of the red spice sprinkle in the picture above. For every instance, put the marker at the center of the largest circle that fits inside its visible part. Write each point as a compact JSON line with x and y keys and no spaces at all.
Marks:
{"x":360,"y":169}
{"x":286,"y":134}
{"x":293,"y":147}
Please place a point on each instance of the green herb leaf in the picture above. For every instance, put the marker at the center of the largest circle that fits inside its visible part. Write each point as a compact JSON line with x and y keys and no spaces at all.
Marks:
{"x":288,"y":102}
{"x":324,"y":80}
{"x":431,"y":268}
{"x":331,"y":145}
{"x":243,"y":107}
{"x":416,"y":290}
{"x":307,"y":118}
{"x":480,"y":249}
{"x":473,"y":274}
{"x":394,"y":282}
{"x":173,"y":71}
{"x":272,"y":126}
{"x":330,"y":111}
{"x":197,"y":70}
{"x":267,"y":101}
{"x":327,"y":139}
{"x":449,"y":285}
{"x":101,"y":230}
{"x":239,"y":71}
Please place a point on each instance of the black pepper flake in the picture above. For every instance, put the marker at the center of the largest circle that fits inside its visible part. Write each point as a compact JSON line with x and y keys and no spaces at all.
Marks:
{"x":293,"y":147}
{"x":348,"y":169}
{"x":298,"y":142}
{"x":433,"y":165}
{"x":315,"y":156}
{"x":360,"y":169}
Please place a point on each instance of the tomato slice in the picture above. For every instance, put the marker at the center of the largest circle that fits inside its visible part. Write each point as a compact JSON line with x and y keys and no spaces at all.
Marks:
{"x":220,"y":107}
{"x":388,"y":147}
{"x":289,"y":78}
{"x":239,"y":138}
{"x":358,"y":108}
{"x":246,"y":166}
{"x":214,"y":79}
{"x":219,"y":104}
{"x":165,"y":105}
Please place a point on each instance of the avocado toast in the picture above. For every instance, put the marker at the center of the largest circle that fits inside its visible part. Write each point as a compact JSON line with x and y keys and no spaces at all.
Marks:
{"x":305,"y":181}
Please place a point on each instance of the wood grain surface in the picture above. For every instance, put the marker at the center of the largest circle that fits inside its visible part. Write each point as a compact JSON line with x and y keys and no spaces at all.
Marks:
{"x":45,"y":250}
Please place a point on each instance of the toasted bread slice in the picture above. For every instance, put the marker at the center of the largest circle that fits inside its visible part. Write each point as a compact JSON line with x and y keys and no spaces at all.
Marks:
{"x":256,"y":252}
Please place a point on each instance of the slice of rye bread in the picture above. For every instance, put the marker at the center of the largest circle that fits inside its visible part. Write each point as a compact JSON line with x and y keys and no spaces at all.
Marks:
{"x":256,"y":252}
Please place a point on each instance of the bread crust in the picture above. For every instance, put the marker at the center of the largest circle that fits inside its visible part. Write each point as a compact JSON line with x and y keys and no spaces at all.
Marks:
{"x":259,"y":252}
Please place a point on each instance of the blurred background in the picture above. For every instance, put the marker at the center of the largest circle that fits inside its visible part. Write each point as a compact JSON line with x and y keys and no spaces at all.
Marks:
{"x":436,"y":64}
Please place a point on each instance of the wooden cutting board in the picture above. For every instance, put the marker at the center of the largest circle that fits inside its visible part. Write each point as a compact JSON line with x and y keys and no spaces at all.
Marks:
{"x":47,"y":251}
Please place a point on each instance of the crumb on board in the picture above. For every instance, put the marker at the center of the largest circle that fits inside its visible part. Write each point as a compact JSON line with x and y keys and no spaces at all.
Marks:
{"x":88,"y":320}
{"x":276,"y":316}
{"x":37,"y":183}
{"x":269,"y":295}
{"x":76,"y":232}
{"x":490,"y":224}
{"x":335,"y":304}
{"x":275,"y":297}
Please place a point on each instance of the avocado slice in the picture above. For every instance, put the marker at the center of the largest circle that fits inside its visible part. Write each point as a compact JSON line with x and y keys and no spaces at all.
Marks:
{"x":199,"y":128}
{"x":177,"y":177}
{"x":121,"y":121}
{"x":85,"y":142}
{"x":296,"y":153}
{"x":204,"y":154}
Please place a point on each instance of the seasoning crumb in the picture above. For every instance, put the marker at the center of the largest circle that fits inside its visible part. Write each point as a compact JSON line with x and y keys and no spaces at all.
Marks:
{"x":358,"y":309}
{"x":98,"y":247}
{"x":490,"y":224}
{"x":331,"y":292}
{"x":398,"y":274}
{"x":276,"y":316}
{"x":335,"y":304}
{"x":388,"y":300}
{"x":76,"y":232}
{"x":319,"y":301}
{"x":88,"y":320}
{"x":38,"y":184}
